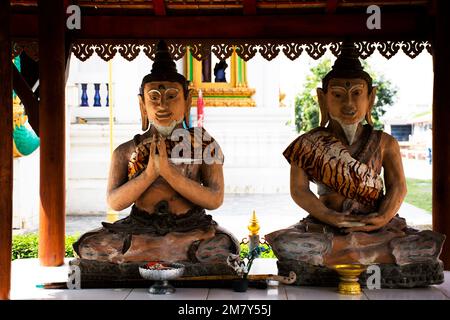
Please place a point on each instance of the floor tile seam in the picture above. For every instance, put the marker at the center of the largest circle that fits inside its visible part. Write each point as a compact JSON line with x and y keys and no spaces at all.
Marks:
{"x":284,"y":291}
{"x":365,"y":294}
{"x":447,"y":296}
{"x":129,"y":293}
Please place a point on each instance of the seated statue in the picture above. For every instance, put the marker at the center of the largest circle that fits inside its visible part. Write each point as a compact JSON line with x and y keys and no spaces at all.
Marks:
{"x":169,"y":175}
{"x":353,"y":220}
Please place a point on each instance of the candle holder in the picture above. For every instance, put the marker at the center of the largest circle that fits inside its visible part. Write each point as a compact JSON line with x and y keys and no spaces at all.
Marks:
{"x":348,"y":274}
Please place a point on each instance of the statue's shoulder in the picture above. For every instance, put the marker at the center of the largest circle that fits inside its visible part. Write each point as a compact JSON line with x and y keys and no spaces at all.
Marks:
{"x":126,"y":147}
{"x":303,"y":143}
{"x":388,"y":141}
{"x":311,"y":135}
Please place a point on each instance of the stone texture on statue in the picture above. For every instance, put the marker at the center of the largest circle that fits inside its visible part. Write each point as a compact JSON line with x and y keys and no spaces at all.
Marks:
{"x":354,"y":218}
{"x":169,"y":175}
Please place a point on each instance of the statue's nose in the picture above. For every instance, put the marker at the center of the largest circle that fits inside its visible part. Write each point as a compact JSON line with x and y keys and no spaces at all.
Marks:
{"x":163,"y":104}
{"x":349,"y":110}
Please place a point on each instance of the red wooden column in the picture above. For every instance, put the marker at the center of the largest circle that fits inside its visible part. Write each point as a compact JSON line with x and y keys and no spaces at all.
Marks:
{"x":6,"y":160}
{"x":52,"y":131}
{"x":441,"y":132}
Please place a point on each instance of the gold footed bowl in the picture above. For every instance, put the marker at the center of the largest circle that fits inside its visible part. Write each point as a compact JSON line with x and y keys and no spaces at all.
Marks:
{"x":348,"y":274}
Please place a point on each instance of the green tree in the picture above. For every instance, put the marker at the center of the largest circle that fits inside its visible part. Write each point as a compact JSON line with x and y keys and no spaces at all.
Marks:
{"x":306,"y":106}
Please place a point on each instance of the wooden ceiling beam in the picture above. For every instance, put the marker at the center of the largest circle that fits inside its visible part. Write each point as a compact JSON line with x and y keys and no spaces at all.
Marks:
{"x":396,"y":26}
{"x":332,"y":6}
{"x":249,"y":7}
{"x":159,"y":7}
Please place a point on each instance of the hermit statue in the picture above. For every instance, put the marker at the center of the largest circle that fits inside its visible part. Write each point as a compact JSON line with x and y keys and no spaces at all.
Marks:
{"x":169,"y":175}
{"x":360,"y":185}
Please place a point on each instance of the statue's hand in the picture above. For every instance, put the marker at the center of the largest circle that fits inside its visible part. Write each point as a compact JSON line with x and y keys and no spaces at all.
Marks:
{"x":152,"y":169}
{"x":342,"y":219}
{"x":373,"y":221}
{"x":165,"y":168}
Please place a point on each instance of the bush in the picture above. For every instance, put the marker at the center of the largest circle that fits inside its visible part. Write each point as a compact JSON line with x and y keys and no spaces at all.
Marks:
{"x":26,"y":246}
{"x":266,"y":254}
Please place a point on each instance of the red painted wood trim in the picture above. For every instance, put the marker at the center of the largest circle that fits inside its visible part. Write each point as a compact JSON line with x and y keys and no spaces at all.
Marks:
{"x":52,"y":132}
{"x":159,"y":7}
{"x":441,"y":132}
{"x":396,"y":26}
{"x":332,"y":6}
{"x":249,"y":7}
{"x":6,"y":157}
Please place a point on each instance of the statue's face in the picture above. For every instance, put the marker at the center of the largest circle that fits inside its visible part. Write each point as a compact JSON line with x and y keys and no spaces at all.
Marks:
{"x":163,"y":102}
{"x":348,"y":100}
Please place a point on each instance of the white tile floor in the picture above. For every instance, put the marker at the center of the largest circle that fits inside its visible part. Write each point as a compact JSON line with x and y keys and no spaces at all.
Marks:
{"x":27,"y":273}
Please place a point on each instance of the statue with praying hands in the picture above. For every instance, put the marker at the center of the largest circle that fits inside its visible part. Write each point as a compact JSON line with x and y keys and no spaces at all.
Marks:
{"x":360,"y":187}
{"x":169,"y":175}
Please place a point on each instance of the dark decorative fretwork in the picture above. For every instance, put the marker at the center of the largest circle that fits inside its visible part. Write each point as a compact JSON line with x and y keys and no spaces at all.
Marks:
{"x":366,"y":49}
{"x":222,"y":51}
{"x":268,"y":49}
{"x":388,"y":49}
{"x":414,"y":48}
{"x":316,"y":49}
{"x":292,"y":50}
{"x":129,"y":51}
{"x":246,"y":51}
{"x":82,"y":51}
{"x":199,"y":51}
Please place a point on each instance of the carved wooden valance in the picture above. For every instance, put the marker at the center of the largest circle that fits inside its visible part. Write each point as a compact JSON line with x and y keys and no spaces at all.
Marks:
{"x":268,"y":49}
{"x":246,"y":50}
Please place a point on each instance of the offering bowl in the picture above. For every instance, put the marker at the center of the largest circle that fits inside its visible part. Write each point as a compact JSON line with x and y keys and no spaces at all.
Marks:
{"x":161,"y":273}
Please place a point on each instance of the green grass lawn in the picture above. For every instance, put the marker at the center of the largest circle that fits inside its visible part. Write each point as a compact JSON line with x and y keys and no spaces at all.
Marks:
{"x":419,"y":193}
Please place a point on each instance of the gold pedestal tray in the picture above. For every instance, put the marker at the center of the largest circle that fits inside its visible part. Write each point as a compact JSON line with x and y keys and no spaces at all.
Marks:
{"x":349,"y":274}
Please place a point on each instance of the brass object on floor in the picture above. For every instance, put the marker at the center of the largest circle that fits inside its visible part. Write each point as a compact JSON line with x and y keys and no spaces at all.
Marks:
{"x":348,"y":274}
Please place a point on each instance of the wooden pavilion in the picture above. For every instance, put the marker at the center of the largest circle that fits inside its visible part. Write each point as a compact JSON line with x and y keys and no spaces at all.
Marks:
{"x":127,"y":27}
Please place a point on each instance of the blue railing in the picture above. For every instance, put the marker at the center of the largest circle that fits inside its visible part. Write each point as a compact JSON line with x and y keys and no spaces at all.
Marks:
{"x":94,"y":97}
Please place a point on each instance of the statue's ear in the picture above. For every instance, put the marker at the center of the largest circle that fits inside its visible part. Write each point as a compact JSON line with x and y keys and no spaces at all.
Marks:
{"x":144,"y":116}
{"x":372,"y":97}
{"x":187,"y":111}
{"x":324,"y":117}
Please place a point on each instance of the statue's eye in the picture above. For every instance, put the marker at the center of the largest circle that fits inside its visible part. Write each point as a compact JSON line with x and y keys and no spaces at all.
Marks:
{"x":357,"y":93}
{"x":337,"y":95}
{"x":171,"y":94}
{"x":154,"y":96}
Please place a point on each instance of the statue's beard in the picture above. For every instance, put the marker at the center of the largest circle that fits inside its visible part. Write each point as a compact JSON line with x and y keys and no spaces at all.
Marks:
{"x":166,"y":131}
{"x":349,"y":129}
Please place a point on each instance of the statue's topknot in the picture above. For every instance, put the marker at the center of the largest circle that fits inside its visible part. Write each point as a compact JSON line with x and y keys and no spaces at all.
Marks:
{"x":164,"y":69}
{"x":347,"y":66}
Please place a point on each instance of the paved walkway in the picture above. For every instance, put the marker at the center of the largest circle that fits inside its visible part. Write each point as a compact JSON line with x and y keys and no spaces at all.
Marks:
{"x":27,"y":274}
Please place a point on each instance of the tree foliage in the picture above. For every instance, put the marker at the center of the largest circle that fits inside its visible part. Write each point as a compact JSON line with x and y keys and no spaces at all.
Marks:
{"x":307,"y":114}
